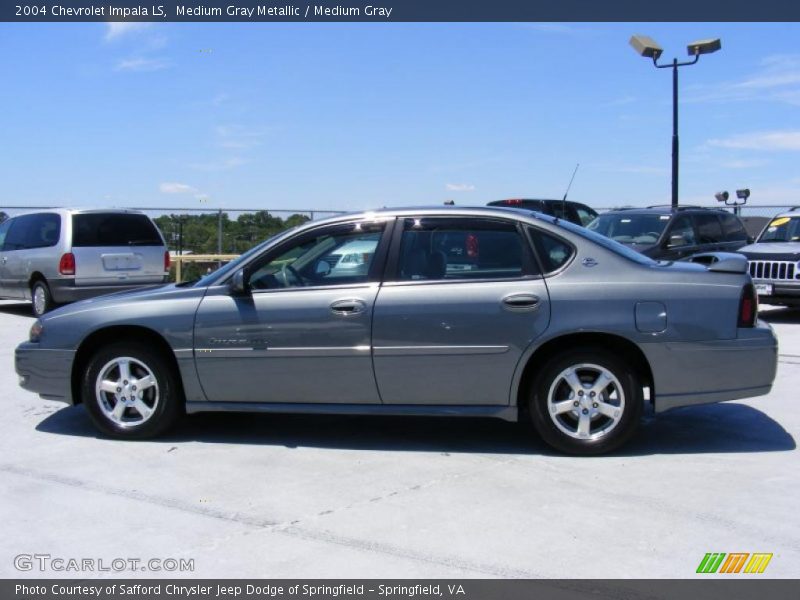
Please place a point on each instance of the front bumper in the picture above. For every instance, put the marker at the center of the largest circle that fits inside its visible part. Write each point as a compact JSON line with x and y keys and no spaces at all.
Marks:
{"x":783,"y":292}
{"x":44,"y":371}
{"x":689,"y":373}
{"x":65,"y":290}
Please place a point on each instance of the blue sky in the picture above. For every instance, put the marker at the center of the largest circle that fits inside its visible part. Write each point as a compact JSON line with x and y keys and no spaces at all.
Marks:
{"x":352,"y":116}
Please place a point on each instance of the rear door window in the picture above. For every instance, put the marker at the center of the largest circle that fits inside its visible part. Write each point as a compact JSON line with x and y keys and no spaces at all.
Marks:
{"x":709,"y":230}
{"x":462,"y":248}
{"x":113,"y":229}
{"x":42,"y":230}
{"x":733,"y":229}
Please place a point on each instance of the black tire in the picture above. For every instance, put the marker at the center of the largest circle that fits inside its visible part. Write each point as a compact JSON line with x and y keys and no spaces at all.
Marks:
{"x":627,"y":421}
{"x":165,"y":410}
{"x":47,"y":304}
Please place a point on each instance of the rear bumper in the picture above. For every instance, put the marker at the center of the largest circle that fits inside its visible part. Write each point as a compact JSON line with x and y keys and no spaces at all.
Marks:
{"x":689,"y":373}
{"x":65,"y":290}
{"x":45,"y":372}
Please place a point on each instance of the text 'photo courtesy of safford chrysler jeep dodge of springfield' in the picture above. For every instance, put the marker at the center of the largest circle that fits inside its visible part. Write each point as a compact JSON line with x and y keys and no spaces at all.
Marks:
{"x":60,"y":256}
{"x":543,"y":321}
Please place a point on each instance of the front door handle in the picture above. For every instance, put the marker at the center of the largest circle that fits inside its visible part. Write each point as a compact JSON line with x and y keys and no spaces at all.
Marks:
{"x":521,"y":302}
{"x":348,"y":307}
{"x":3,"y":260}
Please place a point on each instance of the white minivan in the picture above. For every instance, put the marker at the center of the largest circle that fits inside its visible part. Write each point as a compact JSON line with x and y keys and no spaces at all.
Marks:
{"x":61,"y":255}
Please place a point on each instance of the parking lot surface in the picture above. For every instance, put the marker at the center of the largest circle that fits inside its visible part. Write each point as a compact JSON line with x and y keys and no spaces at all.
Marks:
{"x":311,"y":496}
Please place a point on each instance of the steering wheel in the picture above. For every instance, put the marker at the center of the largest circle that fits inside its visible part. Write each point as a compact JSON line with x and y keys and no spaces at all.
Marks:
{"x":286,"y":271}
{"x":654,"y":234}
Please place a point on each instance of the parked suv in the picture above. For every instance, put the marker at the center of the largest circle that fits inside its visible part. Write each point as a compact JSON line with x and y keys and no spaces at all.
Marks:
{"x":665,"y":234}
{"x":577,"y":213}
{"x":66,"y":255}
{"x":775,"y":260}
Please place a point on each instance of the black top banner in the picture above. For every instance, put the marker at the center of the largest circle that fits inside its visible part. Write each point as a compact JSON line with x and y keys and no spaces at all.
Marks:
{"x":400,"y":10}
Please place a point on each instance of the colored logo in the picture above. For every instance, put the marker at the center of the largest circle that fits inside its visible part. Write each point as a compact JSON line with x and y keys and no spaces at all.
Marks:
{"x":735,"y":562}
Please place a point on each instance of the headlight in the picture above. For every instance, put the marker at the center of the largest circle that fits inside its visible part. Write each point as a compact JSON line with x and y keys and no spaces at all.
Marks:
{"x":36,"y":331}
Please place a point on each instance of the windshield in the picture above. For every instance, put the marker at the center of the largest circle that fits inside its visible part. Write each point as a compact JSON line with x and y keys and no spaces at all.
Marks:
{"x":234,"y":264}
{"x":782,"y":229}
{"x":639,"y":229}
{"x":605,"y":242}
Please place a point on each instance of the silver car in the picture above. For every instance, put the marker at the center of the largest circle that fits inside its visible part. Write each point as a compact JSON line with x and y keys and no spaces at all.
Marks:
{"x":551,"y":323}
{"x":60,"y":256}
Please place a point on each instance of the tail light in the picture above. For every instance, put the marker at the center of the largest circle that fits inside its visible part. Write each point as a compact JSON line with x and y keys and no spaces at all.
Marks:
{"x":514,"y":202}
{"x":66,"y":266}
{"x":166,"y":260}
{"x":748,"y":306}
{"x":472,"y":245}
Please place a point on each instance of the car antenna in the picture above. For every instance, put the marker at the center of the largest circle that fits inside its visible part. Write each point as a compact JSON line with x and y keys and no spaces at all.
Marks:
{"x":564,"y":199}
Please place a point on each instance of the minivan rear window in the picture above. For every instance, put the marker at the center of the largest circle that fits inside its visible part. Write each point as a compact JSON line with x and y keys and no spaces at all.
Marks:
{"x":113,"y":229}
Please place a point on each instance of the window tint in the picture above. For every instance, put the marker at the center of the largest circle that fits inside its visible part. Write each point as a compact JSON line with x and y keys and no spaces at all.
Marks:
{"x":681,"y":233}
{"x":733,"y":229}
{"x":43,"y":230}
{"x":3,"y":231}
{"x":113,"y":229}
{"x":336,"y":255}
{"x":585,"y":214}
{"x":553,"y":253}
{"x":709,"y":230}
{"x":17,"y":236}
{"x":446,"y":248}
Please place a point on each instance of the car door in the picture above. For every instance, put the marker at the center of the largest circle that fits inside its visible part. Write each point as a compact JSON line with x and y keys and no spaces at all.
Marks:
{"x":709,"y":232}
{"x":301,"y":334}
{"x":450,"y":331}
{"x":4,"y":227}
{"x":15,"y":280}
{"x":680,"y":239}
{"x":734,"y":232}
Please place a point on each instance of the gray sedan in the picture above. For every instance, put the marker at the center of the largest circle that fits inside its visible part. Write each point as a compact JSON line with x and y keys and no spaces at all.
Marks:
{"x":483,"y":312}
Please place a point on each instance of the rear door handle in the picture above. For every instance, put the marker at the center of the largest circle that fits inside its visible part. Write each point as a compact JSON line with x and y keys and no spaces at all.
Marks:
{"x":521,"y":302}
{"x":348,"y":307}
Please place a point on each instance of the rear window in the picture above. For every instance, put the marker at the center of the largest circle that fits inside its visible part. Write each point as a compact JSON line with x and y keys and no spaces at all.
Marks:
{"x":113,"y":229}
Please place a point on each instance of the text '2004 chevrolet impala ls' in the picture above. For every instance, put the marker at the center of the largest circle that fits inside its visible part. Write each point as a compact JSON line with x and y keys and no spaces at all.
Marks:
{"x":489,"y":312}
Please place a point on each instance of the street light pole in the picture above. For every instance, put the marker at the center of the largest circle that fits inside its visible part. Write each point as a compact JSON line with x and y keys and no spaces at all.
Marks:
{"x":648,"y":48}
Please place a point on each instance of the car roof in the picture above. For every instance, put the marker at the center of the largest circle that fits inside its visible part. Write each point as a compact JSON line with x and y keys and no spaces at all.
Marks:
{"x":77,"y":211}
{"x":664,"y":210}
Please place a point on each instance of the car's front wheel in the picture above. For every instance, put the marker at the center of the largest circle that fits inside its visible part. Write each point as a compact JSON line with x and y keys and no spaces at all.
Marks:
{"x":131,"y":391}
{"x":586,"y":402}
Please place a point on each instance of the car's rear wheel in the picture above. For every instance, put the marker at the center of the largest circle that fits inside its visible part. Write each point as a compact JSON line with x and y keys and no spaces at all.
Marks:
{"x":41,"y":298}
{"x":586,"y":402}
{"x":131,"y":391}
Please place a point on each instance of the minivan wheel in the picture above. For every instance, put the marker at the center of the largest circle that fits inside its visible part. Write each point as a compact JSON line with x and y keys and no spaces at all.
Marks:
{"x":586,"y":402}
{"x":41,"y":298}
{"x":130,"y":391}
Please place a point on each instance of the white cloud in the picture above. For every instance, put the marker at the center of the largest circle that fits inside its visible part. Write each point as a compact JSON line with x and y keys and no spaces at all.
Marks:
{"x":777,"y":79}
{"x":788,"y":140}
{"x":238,"y":137}
{"x":459,"y":187}
{"x":142,"y":64}
{"x":743,"y":163}
{"x":219,"y":165}
{"x":117,"y":30}
{"x":176,"y":188}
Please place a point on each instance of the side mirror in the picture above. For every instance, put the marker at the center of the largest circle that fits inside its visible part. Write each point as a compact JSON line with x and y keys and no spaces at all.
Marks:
{"x":238,"y":284}
{"x":675,"y":241}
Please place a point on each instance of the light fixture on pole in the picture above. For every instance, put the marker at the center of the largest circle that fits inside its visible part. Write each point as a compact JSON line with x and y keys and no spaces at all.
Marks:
{"x":647,"y":47}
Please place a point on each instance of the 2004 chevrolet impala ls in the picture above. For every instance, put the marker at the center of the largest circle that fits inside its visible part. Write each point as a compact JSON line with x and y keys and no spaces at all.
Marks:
{"x":439,"y":311}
